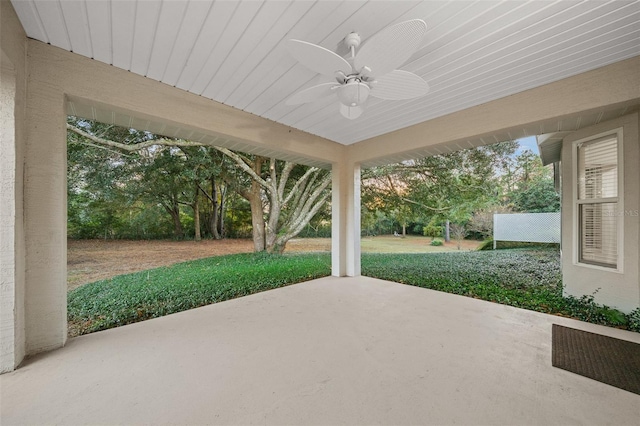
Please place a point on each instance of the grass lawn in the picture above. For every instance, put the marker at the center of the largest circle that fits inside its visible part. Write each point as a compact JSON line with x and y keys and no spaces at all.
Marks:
{"x":412,"y":244}
{"x":526,"y":278}
{"x":384,"y":244}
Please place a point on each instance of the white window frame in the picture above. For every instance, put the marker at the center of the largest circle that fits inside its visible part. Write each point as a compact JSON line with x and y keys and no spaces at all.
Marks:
{"x":576,"y":202}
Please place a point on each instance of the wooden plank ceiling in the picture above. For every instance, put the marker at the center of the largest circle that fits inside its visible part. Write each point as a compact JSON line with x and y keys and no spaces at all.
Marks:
{"x":234,"y":51}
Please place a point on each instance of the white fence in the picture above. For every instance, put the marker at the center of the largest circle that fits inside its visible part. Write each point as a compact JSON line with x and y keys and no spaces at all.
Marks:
{"x":526,"y":227}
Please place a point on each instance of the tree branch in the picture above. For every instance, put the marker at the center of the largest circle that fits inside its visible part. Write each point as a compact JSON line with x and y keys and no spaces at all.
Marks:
{"x":108,"y":149}
{"x":284,"y":177}
{"x":435,"y":209}
{"x":244,"y":166}
{"x":206,"y":194}
{"x":298,"y":183}
{"x":133,"y":147}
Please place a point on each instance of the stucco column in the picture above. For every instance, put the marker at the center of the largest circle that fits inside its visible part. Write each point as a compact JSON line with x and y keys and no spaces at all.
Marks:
{"x":12,"y":141}
{"x":345,"y":220}
{"x":45,"y":213}
{"x":9,"y":287}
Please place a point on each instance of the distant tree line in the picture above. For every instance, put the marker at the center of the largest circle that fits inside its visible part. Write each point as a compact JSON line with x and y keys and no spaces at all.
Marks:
{"x":461,"y":189}
{"x":125,"y":183}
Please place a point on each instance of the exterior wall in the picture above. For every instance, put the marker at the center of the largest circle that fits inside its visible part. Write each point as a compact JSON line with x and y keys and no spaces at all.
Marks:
{"x":12,"y":141}
{"x":616,"y":289}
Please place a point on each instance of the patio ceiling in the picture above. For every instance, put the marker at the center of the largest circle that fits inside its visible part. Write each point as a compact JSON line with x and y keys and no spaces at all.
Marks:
{"x":233,"y":52}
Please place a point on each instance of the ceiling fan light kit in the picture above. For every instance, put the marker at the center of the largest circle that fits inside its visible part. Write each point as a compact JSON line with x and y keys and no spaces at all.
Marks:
{"x":371,"y":71}
{"x":353,"y":93}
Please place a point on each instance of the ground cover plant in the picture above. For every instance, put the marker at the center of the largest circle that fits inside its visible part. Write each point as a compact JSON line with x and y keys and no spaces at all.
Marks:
{"x":130,"y":298}
{"x":525,"y":278}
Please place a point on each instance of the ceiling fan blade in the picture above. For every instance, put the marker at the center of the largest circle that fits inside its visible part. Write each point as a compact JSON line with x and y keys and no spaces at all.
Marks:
{"x":397,"y":85}
{"x":313,"y":93}
{"x":317,"y":58}
{"x":351,"y":112}
{"x":391,"y":47}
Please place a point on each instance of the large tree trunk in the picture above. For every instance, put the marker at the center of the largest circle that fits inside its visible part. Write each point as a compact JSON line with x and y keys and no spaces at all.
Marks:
{"x":196,"y":214}
{"x":275,"y":208}
{"x":257,"y":213}
{"x":214,"y":210}
{"x":305,"y":200}
{"x":220,"y":222}
{"x":212,"y":218}
{"x":174,"y":212}
{"x":196,"y":222}
{"x":276,"y":247}
{"x":257,"y":219}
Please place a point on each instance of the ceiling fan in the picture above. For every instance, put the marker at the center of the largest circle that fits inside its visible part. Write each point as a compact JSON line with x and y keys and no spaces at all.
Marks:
{"x":371,"y":71}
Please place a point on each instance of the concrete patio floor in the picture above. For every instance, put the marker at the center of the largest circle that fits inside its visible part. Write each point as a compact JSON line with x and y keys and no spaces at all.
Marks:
{"x":329,"y":351}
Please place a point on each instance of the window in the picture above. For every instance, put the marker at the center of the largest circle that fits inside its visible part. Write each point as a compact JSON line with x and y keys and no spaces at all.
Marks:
{"x":597,"y":201}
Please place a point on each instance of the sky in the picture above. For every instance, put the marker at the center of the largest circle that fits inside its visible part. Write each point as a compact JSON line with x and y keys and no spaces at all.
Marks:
{"x":528,"y":143}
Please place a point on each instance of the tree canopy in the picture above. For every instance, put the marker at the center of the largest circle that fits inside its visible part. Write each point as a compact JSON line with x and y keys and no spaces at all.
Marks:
{"x":420,"y":196}
{"x":124,"y":183}
{"x":112,"y":169}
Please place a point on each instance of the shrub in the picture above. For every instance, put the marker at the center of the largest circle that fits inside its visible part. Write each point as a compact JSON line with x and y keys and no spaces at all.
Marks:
{"x":432,"y":231}
{"x":634,"y":320}
{"x":459,"y":232}
{"x":586,"y":309}
{"x":486,"y":245}
{"x":436,"y":243}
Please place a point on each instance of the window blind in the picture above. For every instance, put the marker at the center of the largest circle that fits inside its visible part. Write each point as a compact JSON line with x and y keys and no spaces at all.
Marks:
{"x":598,"y":168}
{"x":599,"y":226}
{"x":598,"y":201}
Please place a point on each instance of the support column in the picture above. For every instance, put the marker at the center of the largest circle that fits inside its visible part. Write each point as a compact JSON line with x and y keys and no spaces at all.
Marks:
{"x":12,"y":142}
{"x":11,"y":283}
{"x":345,"y":220}
{"x":45,"y":213}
